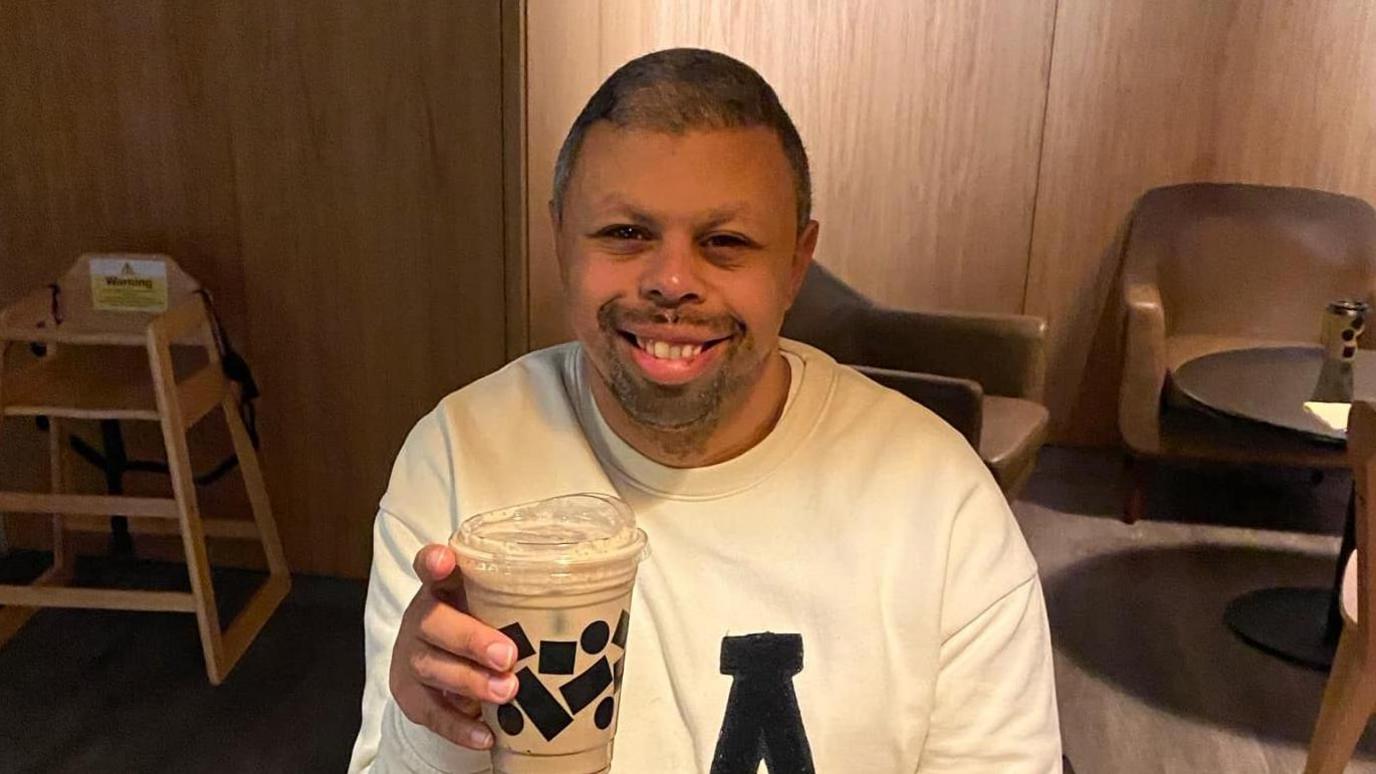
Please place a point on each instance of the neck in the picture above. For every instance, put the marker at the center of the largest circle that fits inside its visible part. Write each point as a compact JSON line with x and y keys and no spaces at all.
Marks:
{"x":737,"y":431}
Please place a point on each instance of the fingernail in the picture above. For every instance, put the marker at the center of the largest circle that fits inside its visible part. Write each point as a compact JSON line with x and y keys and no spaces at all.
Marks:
{"x":502,"y":688}
{"x":480,"y":737}
{"x":433,"y":561}
{"x":500,"y":655}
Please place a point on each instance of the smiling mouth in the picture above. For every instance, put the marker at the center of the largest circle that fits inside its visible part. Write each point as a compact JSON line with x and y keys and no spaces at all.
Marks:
{"x":670,"y":350}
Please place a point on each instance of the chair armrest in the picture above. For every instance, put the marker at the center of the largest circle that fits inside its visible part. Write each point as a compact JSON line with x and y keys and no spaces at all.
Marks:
{"x":1004,"y":353}
{"x":958,"y":401}
{"x":26,"y":314}
{"x":1144,"y":364}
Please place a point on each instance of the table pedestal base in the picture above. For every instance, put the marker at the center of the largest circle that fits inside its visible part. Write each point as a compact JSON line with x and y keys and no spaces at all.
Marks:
{"x":1291,"y":623}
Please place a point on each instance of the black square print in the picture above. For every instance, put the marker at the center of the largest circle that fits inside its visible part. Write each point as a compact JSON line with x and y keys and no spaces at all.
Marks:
{"x":556,"y":657}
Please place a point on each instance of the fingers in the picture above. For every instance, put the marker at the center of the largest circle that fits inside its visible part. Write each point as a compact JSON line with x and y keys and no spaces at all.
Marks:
{"x":434,"y":563}
{"x":463,"y":635}
{"x":428,"y":708}
{"x":451,"y":674}
{"x":464,"y":704}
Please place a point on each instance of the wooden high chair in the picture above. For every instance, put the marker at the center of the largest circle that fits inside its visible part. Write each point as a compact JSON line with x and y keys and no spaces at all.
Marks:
{"x":119,"y":365}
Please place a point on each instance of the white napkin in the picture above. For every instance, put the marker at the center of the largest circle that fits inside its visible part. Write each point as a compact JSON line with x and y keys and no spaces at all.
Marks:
{"x":1332,"y":414}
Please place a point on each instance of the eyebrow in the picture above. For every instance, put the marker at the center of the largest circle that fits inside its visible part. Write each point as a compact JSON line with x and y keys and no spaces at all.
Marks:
{"x":714,"y":217}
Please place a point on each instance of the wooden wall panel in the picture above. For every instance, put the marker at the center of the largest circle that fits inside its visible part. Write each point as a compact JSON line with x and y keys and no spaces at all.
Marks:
{"x":107,"y":137}
{"x":332,"y":170}
{"x":1152,"y":92}
{"x":922,"y":120}
{"x":369,"y":170}
{"x":109,"y":140}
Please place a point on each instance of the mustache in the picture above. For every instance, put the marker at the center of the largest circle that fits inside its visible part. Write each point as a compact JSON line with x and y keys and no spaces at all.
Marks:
{"x":613,"y":315}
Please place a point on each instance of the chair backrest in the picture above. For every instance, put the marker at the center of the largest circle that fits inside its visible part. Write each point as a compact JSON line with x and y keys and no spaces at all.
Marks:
{"x":1361,"y":450}
{"x":68,"y":307}
{"x":1254,"y":261}
{"x":828,"y":314}
{"x":78,"y":307}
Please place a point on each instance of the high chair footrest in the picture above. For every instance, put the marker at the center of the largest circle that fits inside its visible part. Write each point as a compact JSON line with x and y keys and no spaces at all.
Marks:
{"x":102,"y":599}
{"x":112,"y":505}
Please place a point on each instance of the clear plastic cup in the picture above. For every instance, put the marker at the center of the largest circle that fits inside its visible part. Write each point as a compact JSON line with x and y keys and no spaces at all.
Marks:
{"x":556,"y":577}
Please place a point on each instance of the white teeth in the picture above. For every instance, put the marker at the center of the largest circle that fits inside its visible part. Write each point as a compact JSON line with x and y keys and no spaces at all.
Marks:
{"x":666,"y":351}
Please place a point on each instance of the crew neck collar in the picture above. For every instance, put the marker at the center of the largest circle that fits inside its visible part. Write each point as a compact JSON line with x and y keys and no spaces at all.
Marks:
{"x":812,"y":376}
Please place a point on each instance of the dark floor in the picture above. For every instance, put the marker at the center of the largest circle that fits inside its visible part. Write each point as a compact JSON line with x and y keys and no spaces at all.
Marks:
{"x":97,"y":691}
{"x":1149,"y":679}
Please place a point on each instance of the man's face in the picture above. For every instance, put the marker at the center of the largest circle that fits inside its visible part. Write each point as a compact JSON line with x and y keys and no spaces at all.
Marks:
{"x":680,"y":255}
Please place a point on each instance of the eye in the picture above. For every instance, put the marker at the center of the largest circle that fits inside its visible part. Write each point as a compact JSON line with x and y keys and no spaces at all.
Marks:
{"x":624,"y":232}
{"x":727,"y":241}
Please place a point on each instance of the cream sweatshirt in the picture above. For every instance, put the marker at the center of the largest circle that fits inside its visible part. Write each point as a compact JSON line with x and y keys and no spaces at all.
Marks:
{"x":862,"y":538}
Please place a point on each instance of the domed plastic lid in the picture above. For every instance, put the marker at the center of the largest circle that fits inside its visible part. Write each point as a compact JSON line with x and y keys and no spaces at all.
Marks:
{"x":561,"y":535}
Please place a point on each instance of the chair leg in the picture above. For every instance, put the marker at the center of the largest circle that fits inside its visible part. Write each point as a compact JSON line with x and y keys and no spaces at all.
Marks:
{"x":264,"y":602}
{"x":1348,"y":701}
{"x":197,"y":559}
{"x":222,"y":649}
{"x":1139,"y":473}
{"x":4,"y":350}
{"x":189,"y":515}
{"x":13,"y":618}
{"x":63,"y":563}
{"x":256,"y":487}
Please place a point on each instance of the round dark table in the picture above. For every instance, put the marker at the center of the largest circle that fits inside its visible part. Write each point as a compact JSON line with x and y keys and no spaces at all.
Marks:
{"x":1270,"y":385}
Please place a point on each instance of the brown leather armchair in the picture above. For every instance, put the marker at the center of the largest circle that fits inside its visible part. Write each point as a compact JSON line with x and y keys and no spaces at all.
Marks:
{"x":1211,"y":267}
{"x":984,"y":374}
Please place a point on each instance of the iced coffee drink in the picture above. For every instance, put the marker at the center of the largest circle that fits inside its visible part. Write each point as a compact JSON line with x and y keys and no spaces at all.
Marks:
{"x":556,"y":577}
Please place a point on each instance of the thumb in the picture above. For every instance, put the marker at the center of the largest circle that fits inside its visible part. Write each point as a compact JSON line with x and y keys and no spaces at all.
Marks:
{"x":434,"y":563}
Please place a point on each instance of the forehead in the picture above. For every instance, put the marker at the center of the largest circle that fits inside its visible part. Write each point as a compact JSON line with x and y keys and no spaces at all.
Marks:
{"x":695,"y":171}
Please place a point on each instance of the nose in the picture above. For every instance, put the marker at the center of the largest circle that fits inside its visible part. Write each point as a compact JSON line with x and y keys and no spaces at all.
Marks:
{"x":670,"y":278}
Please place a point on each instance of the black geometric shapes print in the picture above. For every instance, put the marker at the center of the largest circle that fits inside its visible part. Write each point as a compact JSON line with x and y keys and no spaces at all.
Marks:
{"x":524,"y":650}
{"x":762,"y":719}
{"x":510,"y":719}
{"x":539,"y":704}
{"x":603,"y":715}
{"x":556,"y":658}
{"x":594,"y":639}
{"x":581,"y":690}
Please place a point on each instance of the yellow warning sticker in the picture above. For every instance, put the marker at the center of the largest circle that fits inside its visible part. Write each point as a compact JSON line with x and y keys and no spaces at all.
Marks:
{"x":128,"y":285}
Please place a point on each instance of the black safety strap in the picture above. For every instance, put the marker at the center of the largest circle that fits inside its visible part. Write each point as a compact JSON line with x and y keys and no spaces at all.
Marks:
{"x":236,"y":368}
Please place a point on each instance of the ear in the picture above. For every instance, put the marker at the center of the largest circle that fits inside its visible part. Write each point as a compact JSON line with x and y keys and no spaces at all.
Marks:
{"x":802,"y":258}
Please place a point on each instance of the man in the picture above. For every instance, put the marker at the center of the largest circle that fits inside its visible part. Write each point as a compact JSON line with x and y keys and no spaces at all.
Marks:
{"x":782,"y":493}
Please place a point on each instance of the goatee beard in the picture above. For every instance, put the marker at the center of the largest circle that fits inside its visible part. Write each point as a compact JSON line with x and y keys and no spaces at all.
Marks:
{"x":685,"y":414}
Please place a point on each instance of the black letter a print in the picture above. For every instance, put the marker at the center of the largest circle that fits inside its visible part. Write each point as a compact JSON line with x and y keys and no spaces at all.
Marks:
{"x":762,"y":720}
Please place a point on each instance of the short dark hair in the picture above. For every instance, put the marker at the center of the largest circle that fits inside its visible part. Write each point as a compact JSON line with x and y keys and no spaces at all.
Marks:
{"x":679,"y":89}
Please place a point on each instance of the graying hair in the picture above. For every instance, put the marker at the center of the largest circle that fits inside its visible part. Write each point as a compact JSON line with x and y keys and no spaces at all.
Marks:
{"x":679,"y":89}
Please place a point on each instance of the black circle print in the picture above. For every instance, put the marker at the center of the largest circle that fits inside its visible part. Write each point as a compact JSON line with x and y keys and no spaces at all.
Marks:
{"x":509,"y":718}
{"x":594,"y":639}
{"x":603,"y":715}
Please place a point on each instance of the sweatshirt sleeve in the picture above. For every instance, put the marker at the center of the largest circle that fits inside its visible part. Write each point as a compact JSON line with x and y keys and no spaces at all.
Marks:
{"x":418,"y":509}
{"x":995,"y":693}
